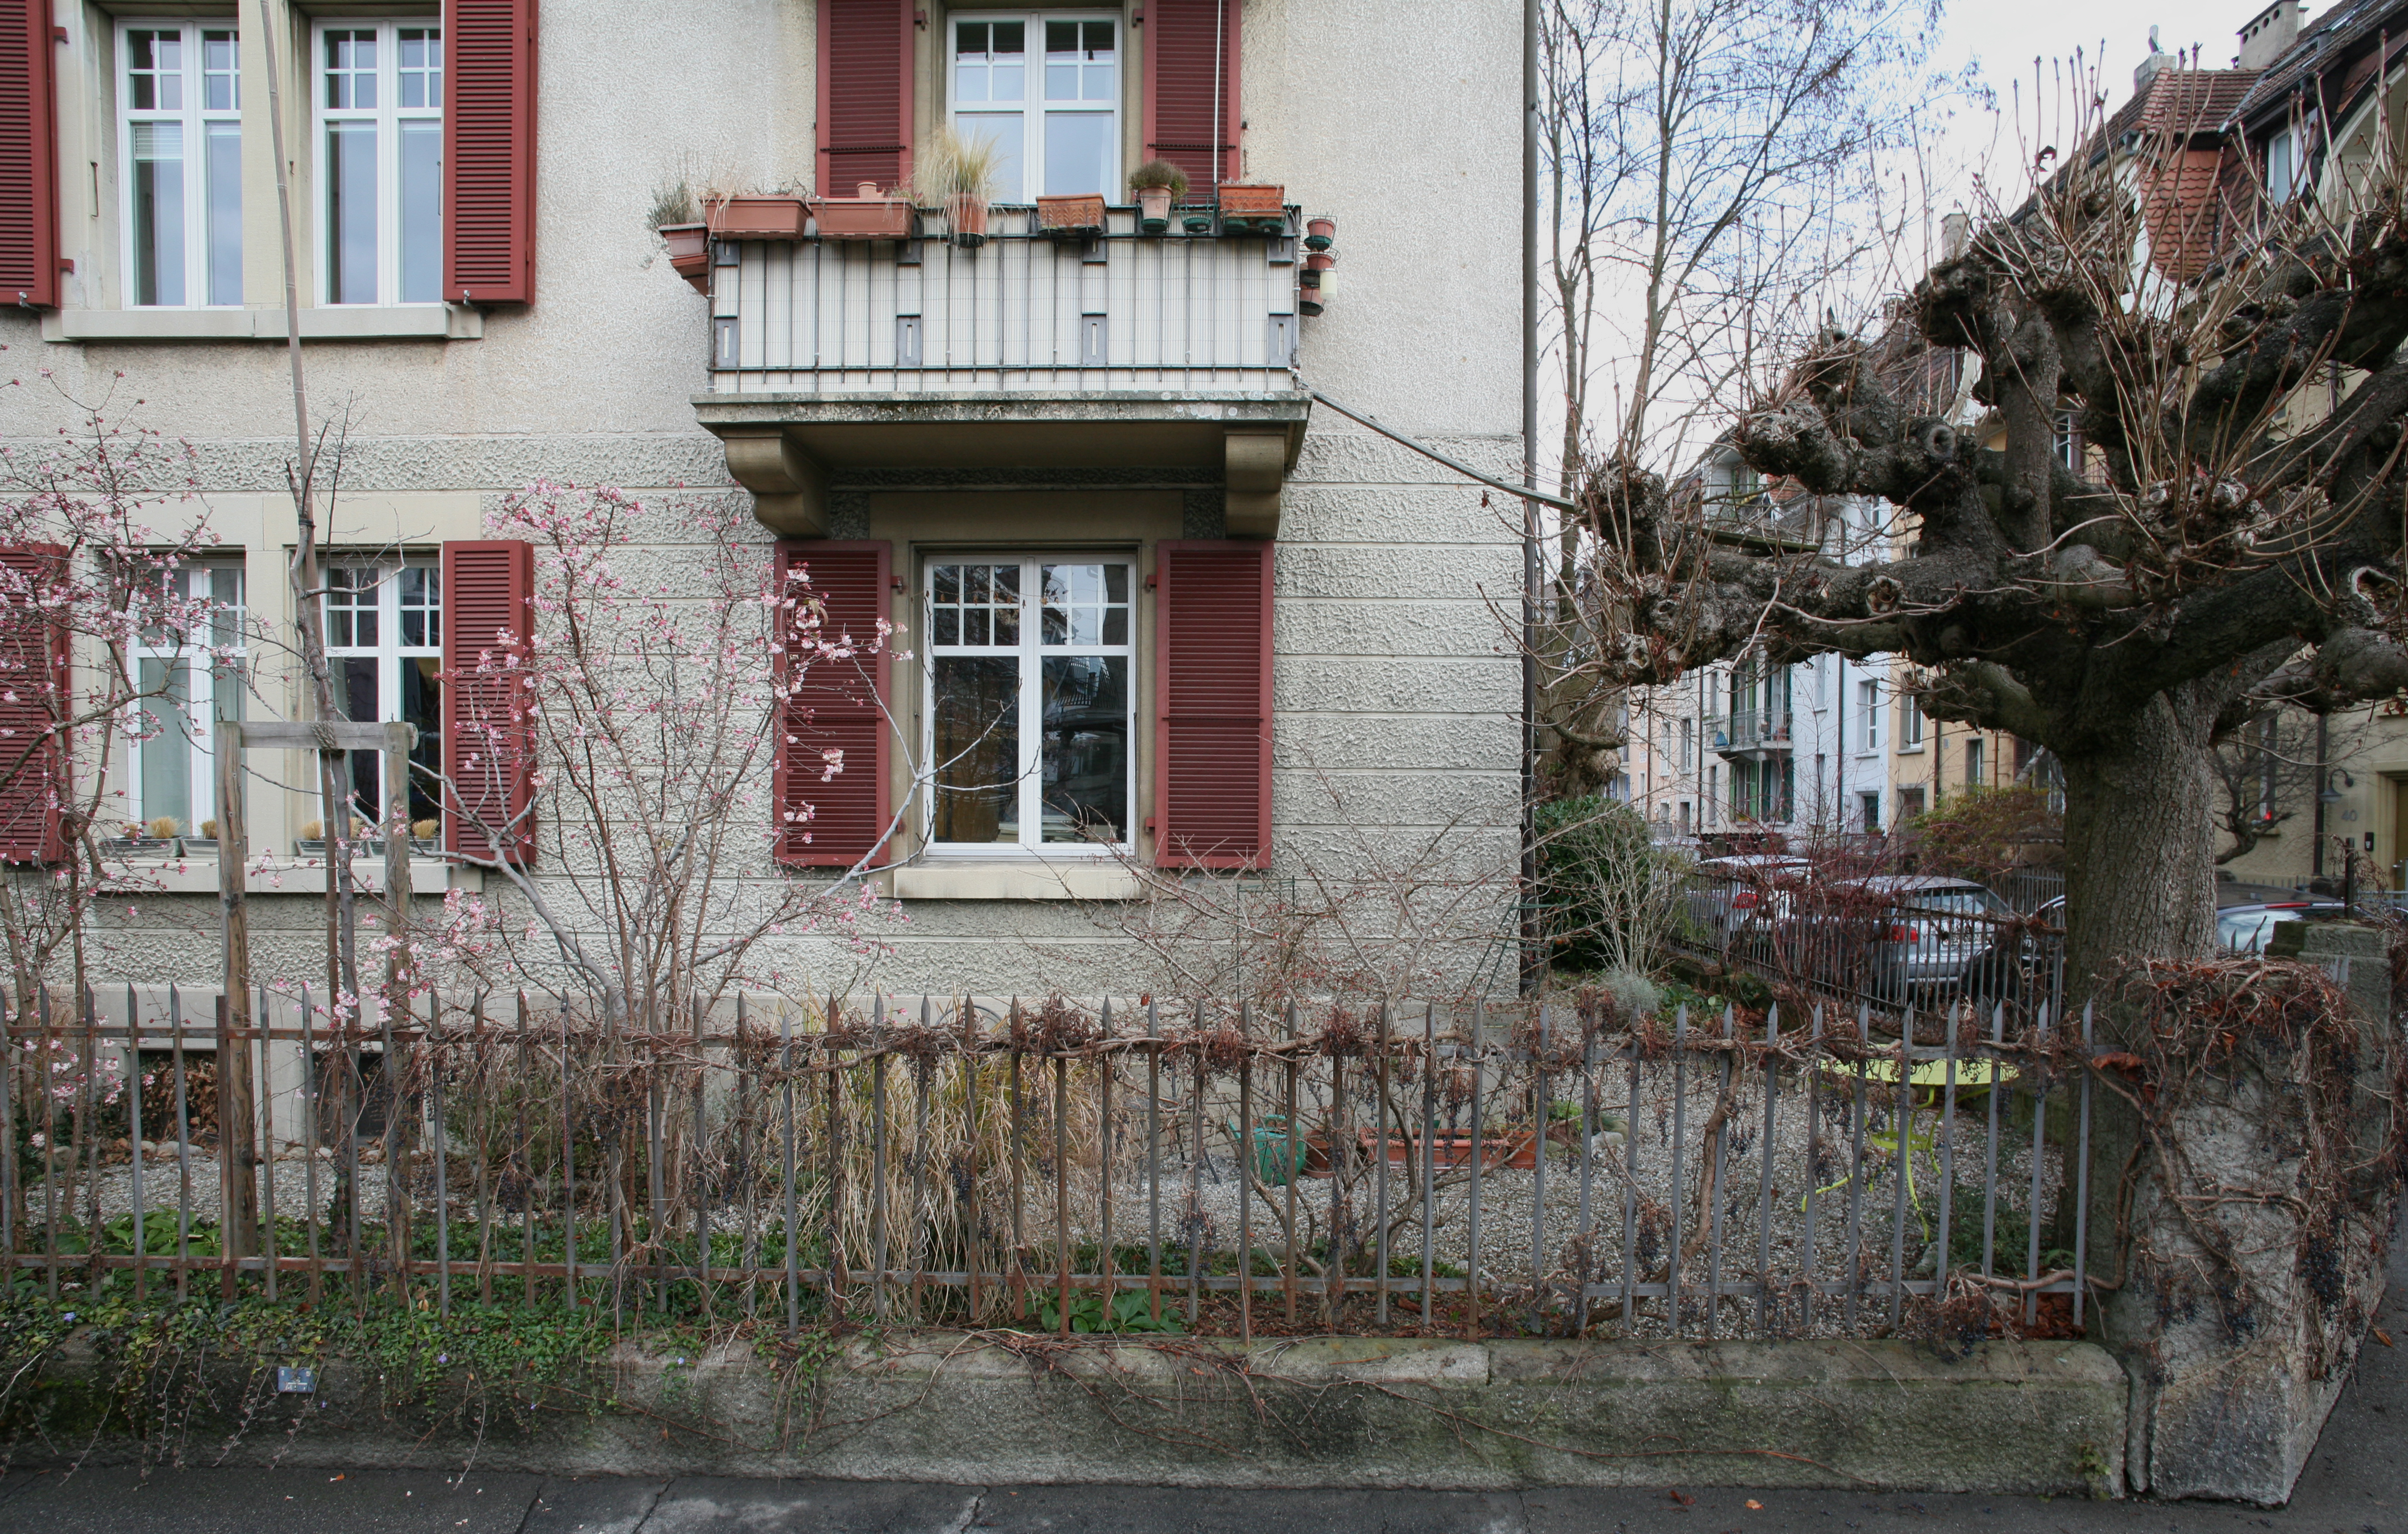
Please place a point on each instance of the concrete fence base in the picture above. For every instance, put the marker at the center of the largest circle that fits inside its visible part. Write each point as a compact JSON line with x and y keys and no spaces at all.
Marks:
{"x":2042,"y":1417}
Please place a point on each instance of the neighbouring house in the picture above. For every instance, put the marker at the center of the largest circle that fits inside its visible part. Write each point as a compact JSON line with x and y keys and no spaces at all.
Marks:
{"x":1284,"y":658}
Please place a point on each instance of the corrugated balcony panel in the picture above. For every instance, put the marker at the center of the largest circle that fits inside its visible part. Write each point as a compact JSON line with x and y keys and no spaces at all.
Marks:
{"x":1017,"y":313}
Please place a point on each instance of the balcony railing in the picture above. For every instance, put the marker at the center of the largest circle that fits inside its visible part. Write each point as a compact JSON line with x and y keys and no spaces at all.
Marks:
{"x":1752,"y":730}
{"x":1021,"y":312}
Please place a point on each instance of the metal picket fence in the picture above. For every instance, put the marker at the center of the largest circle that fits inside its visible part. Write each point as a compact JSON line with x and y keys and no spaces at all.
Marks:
{"x":1208,"y":1165}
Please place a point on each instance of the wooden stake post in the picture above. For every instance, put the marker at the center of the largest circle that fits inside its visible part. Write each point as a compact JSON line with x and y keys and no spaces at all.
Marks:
{"x":239,"y":1138}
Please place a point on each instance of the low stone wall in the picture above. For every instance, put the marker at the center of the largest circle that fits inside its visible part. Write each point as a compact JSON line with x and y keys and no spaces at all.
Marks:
{"x":2040,"y":1417}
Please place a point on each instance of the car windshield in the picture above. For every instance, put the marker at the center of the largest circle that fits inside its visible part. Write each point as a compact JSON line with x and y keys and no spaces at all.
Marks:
{"x":2244,"y":931}
{"x":1951,"y":901}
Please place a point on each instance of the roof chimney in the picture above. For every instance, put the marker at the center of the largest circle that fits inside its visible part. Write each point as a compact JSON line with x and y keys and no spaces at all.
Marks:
{"x":2158,"y":59}
{"x":1953,"y":229}
{"x":2271,"y":35}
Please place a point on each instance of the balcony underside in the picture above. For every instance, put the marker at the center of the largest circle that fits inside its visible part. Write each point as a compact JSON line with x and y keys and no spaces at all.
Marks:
{"x":781,"y":446}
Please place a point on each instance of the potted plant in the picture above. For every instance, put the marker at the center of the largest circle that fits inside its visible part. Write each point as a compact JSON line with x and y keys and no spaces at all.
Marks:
{"x":870,"y":214}
{"x":423,"y":834}
{"x":205,"y":842}
{"x":1070,"y":218}
{"x":311,"y":843}
{"x":956,"y":174}
{"x":677,"y":217}
{"x":1158,"y":183}
{"x":1319,"y":231}
{"x":1253,"y":209}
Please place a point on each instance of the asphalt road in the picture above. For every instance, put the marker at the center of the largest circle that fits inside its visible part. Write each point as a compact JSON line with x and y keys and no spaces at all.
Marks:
{"x":2356,"y":1485}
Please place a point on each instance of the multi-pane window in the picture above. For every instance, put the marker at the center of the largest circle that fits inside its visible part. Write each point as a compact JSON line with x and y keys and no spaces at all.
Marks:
{"x":1909,"y":723}
{"x":1869,"y":712}
{"x":180,"y":145}
{"x":190,"y":681}
{"x":1975,"y":761}
{"x":1031,"y":730}
{"x":384,"y":644}
{"x":380,"y":95}
{"x":1054,"y":119}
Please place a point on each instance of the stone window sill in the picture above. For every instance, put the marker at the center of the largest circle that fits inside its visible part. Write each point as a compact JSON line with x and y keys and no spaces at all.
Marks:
{"x":197,"y":874}
{"x":940,"y":879}
{"x":401,"y":322}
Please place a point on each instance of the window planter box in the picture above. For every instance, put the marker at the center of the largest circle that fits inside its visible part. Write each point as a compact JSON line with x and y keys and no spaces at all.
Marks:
{"x":1070,"y":218}
{"x":690,"y":252}
{"x":1253,"y":209}
{"x":756,"y":218}
{"x":869,"y":216}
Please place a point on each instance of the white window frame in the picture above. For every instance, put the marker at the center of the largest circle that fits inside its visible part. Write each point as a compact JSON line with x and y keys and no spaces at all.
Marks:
{"x":1910,"y":726}
{"x":1032,"y":652}
{"x":211,"y":683}
{"x":193,"y":116}
{"x":389,"y":651}
{"x":1034,"y":106}
{"x":388,"y":116}
{"x":1869,"y":709}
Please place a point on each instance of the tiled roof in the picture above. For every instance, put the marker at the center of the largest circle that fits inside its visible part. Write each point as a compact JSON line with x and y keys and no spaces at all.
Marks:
{"x":2182,"y":102}
{"x":2327,"y":40}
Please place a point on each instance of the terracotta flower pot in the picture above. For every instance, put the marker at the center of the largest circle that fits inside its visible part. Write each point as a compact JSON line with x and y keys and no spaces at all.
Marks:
{"x":1070,"y":218}
{"x":1319,"y":231}
{"x":1153,"y":209}
{"x":871,"y":217}
{"x":1309,"y":302}
{"x":1253,"y":209}
{"x":1500,"y":1150}
{"x":756,"y":218}
{"x":1319,"y":261}
{"x":968,"y":216}
{"x":690,"y":252}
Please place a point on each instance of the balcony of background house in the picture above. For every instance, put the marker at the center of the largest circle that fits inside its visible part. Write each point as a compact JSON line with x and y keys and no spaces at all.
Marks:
{"x":1107,"y":348}
{"x":1752,"y":732}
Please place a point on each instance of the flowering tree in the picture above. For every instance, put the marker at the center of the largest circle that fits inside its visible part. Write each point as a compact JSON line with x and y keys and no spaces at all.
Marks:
{"x":648,"y":708}
{"x":92,"y":599}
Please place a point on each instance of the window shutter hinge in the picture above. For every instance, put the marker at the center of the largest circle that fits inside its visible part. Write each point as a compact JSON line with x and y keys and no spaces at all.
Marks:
{"x":67,"y":263}
{"x":1149,"y":825}
{"x":1151,"y":580}
{"x":893,"y":583}
{"x":920,"y":20}
{"x":59,"y":34}
{"x":1137,"y":17}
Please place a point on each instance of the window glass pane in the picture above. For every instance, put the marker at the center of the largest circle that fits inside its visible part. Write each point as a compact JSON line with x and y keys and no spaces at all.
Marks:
{"x":351,"y":610}
{"x":422,"y":218}
{"x":153,"y":65}
{"x":1077,"y":151}
{"x":1004,"y":130}
{"x":975,"y":605}
{"x":158,"y":212}
{"x":975,"y":706}
{"x":356,"y":695}
{"x":970,"y":62}
{"x":1096,"y":61}
{"x":422,"y":705}
{"x":1087,"y":756}
{"x":1086,"y":605}
{"x":1009,"y":49}
{"x":225,"y":194}
{"x":422,"y":611}
{"x":1061,"y":61}
{"x":350,"y":213}
{"x":220,"y":73}
{"x":167,"y":744}
{"x":420,"y":57}
{"x":351,"y":70}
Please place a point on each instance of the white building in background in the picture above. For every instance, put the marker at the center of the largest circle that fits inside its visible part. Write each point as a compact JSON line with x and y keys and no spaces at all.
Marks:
{"x":1750,"y":746}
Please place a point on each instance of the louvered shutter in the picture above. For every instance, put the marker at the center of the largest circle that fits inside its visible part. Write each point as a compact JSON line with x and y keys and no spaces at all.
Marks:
{"x":489,"y":150}
{"x":33,"y":699}
{"x":826,"y":704}
{"x":1191,"y":90}
{"x":1213,"y":704}
{"x":864,"y":94}
{"x":488,"y":723}
{"x":29,"y":160}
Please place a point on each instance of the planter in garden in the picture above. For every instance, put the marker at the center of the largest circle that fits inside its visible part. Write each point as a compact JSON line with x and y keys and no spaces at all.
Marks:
{"x":755,"y":217}
{"x":1319,"y":231}
{"x":1253,"y":209}
{"x":1153,"y":209}
{"x":966,"y":215}
{"x":1319,"y":261}
{"x":1500,"y":1151}
{"x":1070,"y":218}
{"x":869,"y":216}
{"x":690,"y":252}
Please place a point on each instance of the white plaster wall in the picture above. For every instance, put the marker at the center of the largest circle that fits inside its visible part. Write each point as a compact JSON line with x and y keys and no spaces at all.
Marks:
{"x":1396,"y":687}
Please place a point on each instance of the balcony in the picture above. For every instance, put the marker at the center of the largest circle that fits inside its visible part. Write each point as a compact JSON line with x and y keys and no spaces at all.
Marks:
{"x":1752,"y":732}
{"x":1119,"y":351}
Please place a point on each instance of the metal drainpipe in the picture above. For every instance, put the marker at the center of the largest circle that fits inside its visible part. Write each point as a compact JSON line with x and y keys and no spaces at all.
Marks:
{"x":1532,"y":959}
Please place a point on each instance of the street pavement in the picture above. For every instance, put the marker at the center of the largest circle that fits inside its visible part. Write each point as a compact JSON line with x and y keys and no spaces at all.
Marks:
{"x":2357,"y":1484}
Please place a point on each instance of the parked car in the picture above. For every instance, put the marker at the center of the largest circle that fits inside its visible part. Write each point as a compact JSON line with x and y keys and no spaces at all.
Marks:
{"x":1727,"y":895}
{"x":1924,"y":931}
{"x":2244,"y":929}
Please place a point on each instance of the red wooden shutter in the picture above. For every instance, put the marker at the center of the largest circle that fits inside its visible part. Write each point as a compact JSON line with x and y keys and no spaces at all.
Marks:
{"x":29,"y":158}
{"x":833,"y":822}
{"x":489,"y":150}
{"x":1213,"y":704}
{"x":488,"y":729}
{"x":1191,"y":90}
{"x":33,"y":698}
{"x":865,"y":93}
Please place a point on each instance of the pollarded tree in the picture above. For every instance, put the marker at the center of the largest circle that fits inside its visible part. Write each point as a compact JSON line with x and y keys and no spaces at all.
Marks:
{"x":2233,"y":533}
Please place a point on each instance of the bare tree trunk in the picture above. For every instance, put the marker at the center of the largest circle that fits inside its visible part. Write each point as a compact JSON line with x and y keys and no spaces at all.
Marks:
{"x":2140,"y":840}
